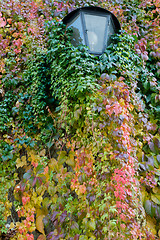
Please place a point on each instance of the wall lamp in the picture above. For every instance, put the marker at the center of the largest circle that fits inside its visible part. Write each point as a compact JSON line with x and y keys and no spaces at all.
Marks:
{"x":93,"y":27}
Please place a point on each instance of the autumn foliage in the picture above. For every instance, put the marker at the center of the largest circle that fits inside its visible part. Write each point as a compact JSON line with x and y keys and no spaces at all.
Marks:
{"x":79,"y":134}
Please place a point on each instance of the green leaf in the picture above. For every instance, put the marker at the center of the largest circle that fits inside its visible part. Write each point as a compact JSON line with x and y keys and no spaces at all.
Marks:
{"x":39,"y":169}
{"x":105,"y":229}
{"x":62,"y":157}
{"x":156,"y":163}
{"x":75,"y":227}
{"x":113,"y":223}
{"x":147,"y":206}
{"x":92,"y":224}
{"x":104,"y":216}
{"x":27,"y":175}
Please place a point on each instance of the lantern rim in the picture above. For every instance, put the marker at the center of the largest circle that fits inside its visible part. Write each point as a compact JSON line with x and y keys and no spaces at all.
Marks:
{"x":95,"y":10}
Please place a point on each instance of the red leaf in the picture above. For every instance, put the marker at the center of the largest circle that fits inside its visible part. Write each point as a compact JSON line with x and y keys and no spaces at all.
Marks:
{"x":2,"y":22}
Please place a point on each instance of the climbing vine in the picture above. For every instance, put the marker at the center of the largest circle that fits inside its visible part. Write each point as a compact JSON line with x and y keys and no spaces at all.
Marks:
{"x":79,"y":134}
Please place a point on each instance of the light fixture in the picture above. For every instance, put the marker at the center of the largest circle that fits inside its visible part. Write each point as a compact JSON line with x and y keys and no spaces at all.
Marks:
{"x":93,"y":27}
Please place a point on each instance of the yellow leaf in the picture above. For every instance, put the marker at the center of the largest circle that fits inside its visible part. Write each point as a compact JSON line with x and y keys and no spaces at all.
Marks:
{"x":83,"y":237}
{"x":155,"y":198}
{"x":32,"y":154}
{"x":37,"y":200}
{"x":53,"y":165}
{"x":156,"y":190}
{"x":39,"y":223}
{"x":52,"y":189}
{"x":92,"y":225}
{"x":41,"y":212}
{"x":92,"y":238}
{"x":54,"y":199}
{"x":121,"y":101}
{"x":45,"y":204}
{"x":24,"y":145}
{"x":143,"y":194}
{"x":42,"y":153}
{"x":32,"y":228}
{"x":21,"y":162}
{"x":151,"y":224}
{"x":8,"y":12}
{"x":23,"y":158}
{"x":12,"y":225}
{"x":70,"y":159}
{"x":40,"y":190}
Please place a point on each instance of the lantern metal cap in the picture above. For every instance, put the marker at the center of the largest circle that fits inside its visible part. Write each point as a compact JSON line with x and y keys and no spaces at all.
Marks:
{"x":94,"y":9}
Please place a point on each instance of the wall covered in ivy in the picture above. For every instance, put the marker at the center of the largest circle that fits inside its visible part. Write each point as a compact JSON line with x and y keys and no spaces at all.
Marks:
{"x":79,"y":134}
